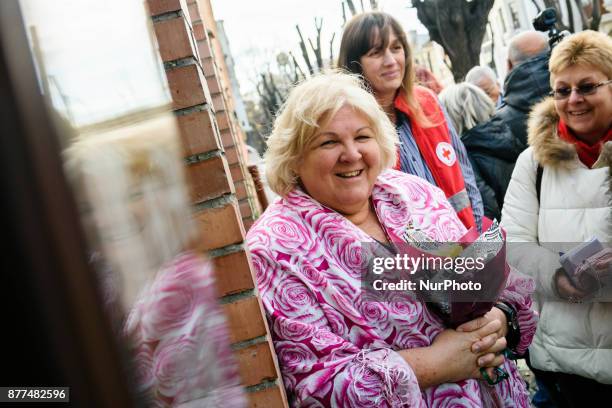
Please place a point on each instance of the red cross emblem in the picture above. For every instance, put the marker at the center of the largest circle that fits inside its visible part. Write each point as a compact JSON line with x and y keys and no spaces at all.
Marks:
{"x":446,"y":153}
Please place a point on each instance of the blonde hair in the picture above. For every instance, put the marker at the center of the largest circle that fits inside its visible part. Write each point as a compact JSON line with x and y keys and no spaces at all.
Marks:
{"x":310,"y":105}
{"x":359,"y":37}
{"x":467,"y":105}
{"x":585,"y":48}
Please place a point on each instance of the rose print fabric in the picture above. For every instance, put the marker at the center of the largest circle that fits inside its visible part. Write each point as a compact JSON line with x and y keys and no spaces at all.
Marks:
{"x":181,"y":345}
{"x":336,"y":349}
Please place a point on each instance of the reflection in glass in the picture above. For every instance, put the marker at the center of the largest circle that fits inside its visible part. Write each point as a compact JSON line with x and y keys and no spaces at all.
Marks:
{"x":95,"y":59}
{"x":102,"y":77}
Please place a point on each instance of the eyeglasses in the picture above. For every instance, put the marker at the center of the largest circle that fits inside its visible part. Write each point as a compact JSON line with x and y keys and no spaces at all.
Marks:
{"x":582,"y":90}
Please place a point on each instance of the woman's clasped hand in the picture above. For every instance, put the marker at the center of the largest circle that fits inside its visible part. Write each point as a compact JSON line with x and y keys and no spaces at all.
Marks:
{"x":460,"y":354}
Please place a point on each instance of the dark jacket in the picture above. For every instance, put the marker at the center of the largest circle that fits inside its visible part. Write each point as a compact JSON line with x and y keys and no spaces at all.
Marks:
{"x":525,"y":85}
{"x":492,"y":150}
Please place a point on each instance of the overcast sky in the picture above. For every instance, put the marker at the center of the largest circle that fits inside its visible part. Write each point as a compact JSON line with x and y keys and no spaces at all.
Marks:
{"x":75,"y":39}
{"x":258,"y":30}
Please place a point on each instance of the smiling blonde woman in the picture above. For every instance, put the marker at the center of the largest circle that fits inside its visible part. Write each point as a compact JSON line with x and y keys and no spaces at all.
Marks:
{"x":570,"y":134}
{"x":329,"y":158}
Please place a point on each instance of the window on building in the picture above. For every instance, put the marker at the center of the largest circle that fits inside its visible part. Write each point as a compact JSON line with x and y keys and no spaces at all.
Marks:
{"x":514,"y":15}
{"x":102,"y":76}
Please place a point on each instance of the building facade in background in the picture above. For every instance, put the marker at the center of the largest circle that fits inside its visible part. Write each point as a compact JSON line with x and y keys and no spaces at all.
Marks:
{"x":240,"y":109}
{"x":506,"y":19}
{"x":431,"y":55}
{"x":509,"y":17}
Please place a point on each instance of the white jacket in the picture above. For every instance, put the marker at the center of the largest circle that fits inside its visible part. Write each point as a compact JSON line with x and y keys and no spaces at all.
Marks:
{"x":575,"y":205}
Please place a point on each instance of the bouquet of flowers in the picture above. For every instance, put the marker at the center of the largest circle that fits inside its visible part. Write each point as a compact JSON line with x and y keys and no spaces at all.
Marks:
{"x":455,"y":288}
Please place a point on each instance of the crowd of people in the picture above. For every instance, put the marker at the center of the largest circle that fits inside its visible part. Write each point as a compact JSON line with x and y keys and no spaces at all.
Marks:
{"x":362,"y":154}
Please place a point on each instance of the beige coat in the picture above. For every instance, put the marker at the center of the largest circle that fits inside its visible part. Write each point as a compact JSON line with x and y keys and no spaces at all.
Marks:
{"x":575,"y":205}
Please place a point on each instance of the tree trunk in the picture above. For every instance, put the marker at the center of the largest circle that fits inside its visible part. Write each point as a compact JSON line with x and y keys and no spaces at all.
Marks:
{"x":458,"y":26}
{"x":492,"y":64}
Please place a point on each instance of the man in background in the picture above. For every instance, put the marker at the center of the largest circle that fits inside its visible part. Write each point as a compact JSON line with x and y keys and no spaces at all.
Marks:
{"x":527,"y":81}
{"x":485,"y":78}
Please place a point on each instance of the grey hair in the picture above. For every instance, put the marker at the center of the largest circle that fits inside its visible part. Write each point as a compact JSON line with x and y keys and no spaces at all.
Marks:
{"x":477,"y":73}
{"x":525,"y":45}
{"x":467,"y":105}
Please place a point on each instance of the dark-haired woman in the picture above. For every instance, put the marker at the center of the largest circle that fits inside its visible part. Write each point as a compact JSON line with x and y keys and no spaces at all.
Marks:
{"x":374,"y":45}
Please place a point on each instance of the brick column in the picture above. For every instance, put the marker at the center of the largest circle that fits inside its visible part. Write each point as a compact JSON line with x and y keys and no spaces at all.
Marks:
{"x":232,"y":137}
{"x":212,"y":165}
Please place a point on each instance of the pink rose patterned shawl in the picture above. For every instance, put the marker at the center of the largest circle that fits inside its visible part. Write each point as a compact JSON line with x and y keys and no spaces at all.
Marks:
{"x":337,"y":350}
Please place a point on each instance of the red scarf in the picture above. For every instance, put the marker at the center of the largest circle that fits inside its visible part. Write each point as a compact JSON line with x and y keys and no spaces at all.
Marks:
{"x":435,"y":146}
{"x":588,"y":154}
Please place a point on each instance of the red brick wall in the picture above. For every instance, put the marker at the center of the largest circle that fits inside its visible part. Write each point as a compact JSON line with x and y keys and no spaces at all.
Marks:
{"x":221,"y":188}
{"x":218,"y":80}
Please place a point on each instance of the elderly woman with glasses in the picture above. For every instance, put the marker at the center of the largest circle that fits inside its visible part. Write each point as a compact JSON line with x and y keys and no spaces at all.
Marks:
{"x":329,"y":158}
{"x":559,"y":196}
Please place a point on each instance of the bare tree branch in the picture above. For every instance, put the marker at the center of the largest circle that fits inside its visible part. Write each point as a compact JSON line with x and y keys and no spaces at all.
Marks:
{"x":268,"y":94}
{"x":331,"y":50}
{"x":492,"y":64}
{"x":318,"y":51}
{"x":537,"y":6}
{"x":304,"y":50}
{"x":373,"y":5}
{"x":296,"y":68}
{"x":351,"y":7}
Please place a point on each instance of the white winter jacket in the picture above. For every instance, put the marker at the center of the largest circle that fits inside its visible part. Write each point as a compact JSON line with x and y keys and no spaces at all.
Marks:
{"x":575,"y":205}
